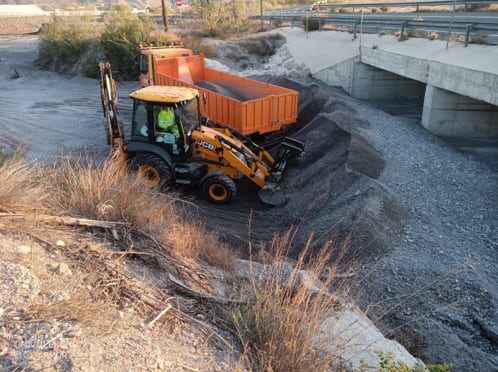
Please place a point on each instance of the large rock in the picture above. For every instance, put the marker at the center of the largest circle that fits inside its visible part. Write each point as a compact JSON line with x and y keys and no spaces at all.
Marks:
{"x":360,"y":345}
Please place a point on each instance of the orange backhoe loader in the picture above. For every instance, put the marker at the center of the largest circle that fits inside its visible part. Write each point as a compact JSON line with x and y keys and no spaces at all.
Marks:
{"x":193,"y":154}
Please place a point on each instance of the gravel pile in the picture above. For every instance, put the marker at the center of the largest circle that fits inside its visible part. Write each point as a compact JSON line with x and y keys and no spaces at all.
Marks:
{"x":439,"y":285}
{"x":423,"y":217}
{"x":435,"y":287}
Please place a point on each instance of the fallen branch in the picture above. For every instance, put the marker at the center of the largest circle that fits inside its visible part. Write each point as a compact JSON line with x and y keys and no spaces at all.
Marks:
{"x":203,"y":296}
{"x":164,"y":311}
{"x":65,"y":220}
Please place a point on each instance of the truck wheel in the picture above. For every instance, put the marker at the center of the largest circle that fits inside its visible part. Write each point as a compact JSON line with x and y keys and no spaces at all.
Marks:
{"x":152,"y":170}
{"x":219,"y":189}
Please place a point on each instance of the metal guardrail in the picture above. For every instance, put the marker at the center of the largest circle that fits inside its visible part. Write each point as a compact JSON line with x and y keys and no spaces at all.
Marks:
{"x":402,"y":22}
{"x":416,"y":4}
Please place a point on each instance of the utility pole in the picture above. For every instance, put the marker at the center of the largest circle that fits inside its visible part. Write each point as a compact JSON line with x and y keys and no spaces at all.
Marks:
{"x":261,"y":13}
{"x":165,"y":15}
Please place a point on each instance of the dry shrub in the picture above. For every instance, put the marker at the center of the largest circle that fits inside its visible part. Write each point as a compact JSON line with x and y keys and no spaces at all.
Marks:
{"x":281,"y":320}
{"x":195,"y":42}
{"x":105,"y":192}
{"x":191,"y":239}
{"x":433,"y":36}
{"x":20,"y":189}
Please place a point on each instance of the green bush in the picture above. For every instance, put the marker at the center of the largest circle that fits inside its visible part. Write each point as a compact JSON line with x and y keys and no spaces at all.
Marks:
{"x":120,"y":39}
{"x":63,"y":43}
{"x":223,"y":18}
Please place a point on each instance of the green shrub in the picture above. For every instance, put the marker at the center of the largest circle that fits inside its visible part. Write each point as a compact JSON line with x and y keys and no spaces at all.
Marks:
{"x":63,"y":43}
{"x":120,"y":39}
{"x":388,"y":363}
{"x":223,"y":18}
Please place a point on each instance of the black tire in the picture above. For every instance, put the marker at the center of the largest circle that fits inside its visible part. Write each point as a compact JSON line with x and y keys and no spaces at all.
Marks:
{"x":152,"y":170}
{"x":219,"y":189}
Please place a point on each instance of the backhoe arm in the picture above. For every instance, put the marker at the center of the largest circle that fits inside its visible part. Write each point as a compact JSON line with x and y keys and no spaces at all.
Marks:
{"x":114,"y":127}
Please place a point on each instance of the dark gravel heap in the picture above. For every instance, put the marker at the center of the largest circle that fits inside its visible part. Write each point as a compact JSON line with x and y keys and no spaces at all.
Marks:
{"x":422,"y":217}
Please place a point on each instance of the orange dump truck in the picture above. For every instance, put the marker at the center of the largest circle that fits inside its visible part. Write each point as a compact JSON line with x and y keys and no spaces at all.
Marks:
{"x":249,"y":106}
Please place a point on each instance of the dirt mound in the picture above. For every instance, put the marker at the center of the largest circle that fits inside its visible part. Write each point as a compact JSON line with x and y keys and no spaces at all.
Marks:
{"x":335,"y":180}
{"x":339,"y":197}
{"x":332,"y":186}
{"x":218,"y":88}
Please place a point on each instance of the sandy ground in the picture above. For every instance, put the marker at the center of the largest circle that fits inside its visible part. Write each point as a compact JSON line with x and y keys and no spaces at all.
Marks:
{"x":427,"y":229}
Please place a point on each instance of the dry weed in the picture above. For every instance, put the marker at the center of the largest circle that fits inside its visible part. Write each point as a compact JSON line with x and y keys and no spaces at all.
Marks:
{"x":195,"y":41}
{"x":104,"y":192}
{"x":280,"y":323}
{"x":192,"y":240}
{"x":21,"y":188}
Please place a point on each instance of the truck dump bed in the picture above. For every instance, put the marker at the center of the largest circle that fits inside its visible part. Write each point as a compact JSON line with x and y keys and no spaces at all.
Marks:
{"x":247,"y":105}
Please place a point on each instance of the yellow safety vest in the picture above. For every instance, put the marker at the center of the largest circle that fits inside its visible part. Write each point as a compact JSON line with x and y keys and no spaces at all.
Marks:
{"x":166,"y":121}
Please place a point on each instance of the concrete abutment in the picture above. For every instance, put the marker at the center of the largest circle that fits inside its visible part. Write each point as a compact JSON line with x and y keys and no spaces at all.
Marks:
{"x":450,"y":114}
{"x":457,"y":101}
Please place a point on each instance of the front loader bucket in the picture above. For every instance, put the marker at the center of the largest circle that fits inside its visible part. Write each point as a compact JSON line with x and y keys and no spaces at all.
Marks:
{"x":272,"y":195}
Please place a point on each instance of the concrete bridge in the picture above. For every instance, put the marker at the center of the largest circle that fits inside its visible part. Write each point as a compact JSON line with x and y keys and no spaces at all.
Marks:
{"x":458,"y":85}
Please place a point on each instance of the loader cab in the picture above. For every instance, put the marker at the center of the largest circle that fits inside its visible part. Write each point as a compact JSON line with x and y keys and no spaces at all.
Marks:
{"x":148,"y":102}
{"x":148,"y":56}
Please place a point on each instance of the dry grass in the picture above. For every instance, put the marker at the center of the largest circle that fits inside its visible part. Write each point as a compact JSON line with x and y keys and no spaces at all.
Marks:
{"x":101,"y":283}
{"x":78,"y":187}
{"x":103,"y":192}
{"x":197,"y":241}
{"x":280,"y":323}
{"x":21,"y":188}
{"x":195,"y":41}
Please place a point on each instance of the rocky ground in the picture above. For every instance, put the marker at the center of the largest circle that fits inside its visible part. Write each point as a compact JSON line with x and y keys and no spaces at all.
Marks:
{"x":423,"y":215}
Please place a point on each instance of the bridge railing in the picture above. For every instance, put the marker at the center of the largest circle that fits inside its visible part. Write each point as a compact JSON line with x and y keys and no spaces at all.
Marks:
{"x":466,"y":4}
{"x":468,"y":29}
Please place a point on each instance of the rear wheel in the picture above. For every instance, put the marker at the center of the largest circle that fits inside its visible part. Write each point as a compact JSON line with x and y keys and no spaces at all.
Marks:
{"x":152,"y":170}
{"x":219,"y":189}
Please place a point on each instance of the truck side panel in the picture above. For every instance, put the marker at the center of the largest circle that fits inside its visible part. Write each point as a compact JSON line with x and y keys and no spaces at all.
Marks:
{"x":263,"y":107}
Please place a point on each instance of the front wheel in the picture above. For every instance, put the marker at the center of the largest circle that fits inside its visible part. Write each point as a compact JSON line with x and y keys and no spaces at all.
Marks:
{"x":152,"y":170}
{"x":219,"y":189}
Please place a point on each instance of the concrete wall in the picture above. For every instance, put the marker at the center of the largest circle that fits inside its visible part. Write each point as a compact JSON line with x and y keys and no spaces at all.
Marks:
{"x":482,"y":86}
{"x":458,"y":101}
{"x":367,"y":82}
{"x":372,"y":83}
{"x":454,"y":115}
{"x":340,"y":74}
{"x":400,"y":64}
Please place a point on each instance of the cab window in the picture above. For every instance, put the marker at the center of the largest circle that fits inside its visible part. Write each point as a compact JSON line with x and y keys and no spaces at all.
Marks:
{"x":189,"y":115}
{"x":144,"y":64}
{"x":139,"y":124}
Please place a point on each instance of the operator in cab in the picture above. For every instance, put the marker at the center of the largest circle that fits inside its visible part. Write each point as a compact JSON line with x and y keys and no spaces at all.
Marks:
{"x":167,"y":124}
